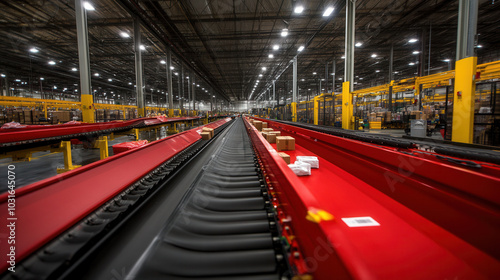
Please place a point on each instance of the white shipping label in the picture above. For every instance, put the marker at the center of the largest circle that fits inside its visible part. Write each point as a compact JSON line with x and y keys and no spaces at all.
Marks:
{"x":360,"y":222}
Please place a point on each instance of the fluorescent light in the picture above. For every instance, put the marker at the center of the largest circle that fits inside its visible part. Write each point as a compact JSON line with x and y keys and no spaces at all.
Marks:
{"x":358,"y":44}
{"x":377,"y":71}
{"x":17,"y":80}
{"x":142,"y":47}
{"x":260,"y":75}
{"x":41,"y":79}
{"x":163,"y":62}
{"x":124,"y":35}
{"x":447,"y":60}
{"x":412,"y":40}
{"x":479,"y":46}
{"x":35,"y":50}
{"x":171,"y":67}
{"x":276,"y":47}
{"x":411,"y":63}
{"x":343,"y":57}
{"x":328,"y":11}
{"x":129,"y":84}
{"x":96,"y":74}
{"x":3,"y":76}
{"x":299,"y":9}
{"x":110,"y":80}
{"x":271,"y":56}
{"x":416,"y":52}
{"x":314,"y":73}
{"x":177,"y":74}
{"x":264,"y":68}
{"x":301,"y":48}
{"x":55,"y":87}
{"x":74,"y":69}
{"x":284,"y":32}
{"x":88,"y":6}
{"x":52,"y":62}
{"x":374,"y":55}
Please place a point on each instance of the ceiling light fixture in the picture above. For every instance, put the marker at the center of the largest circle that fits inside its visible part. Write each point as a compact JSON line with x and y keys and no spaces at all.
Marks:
{"x":314,"y":73}
{"x":328,"y":11}
{"x":479,"y":46}
{"x":163,"y":62}
{"x":301,"y":48}
{"x":110,"y":80}
{"x":299,"y":9}
{"x":124,"y":35}
{"x":271,"y":56}
{"x":411,"y":63}
{"x":358,"y":44}
{"x":172,"y":68}
{"x":276,"y":47}
{"x":284,"y":32}
{"x":264,"y":68}
{"x":374,"y":55}
{"x":416,"y":52}
{"x":412,"y":40}
{"x":35,"y":50}
{"x":88,"y":6}
{"x":447,"y":60}
{"x":142,"y":47}
{"x":52,"y":62}
{"x":96,"y":74}
{"x":74,"y":69}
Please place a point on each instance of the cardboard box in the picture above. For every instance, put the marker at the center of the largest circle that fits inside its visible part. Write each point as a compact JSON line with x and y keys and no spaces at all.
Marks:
{"x":207,"y":129}
{"x":264,"y":134}
{"x":280,"y":143}
{"x":277,"y":133}
{"x":264,"y":125}
{"x":267,"y":129}
{"x":258,"y":125}
{"x":290,"y":143}
{"x":205,"y":135}
{"x":271,"y":137}
{"x":285,"y":143}
{"x":285,"y":157}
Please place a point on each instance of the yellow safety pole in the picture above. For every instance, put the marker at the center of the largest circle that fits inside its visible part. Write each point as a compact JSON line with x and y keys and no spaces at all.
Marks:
{"x":294,"y":111}
{"x":463,"y":100}
{"x":347,"y":108}
{"x":88,"y":108}
{"x":316,"y":109}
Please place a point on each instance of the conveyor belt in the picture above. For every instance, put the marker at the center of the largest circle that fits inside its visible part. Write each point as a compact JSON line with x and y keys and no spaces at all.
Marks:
{"x":202,"y":214}
{"x":222,"y":229}
{"x":471,"y":153}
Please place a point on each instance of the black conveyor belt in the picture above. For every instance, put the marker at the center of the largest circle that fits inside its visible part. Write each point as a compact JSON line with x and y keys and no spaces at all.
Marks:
{"x":221,"y":229}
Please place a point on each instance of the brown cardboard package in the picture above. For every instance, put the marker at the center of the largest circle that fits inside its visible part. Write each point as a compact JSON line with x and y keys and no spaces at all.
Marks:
{"x":280,"y":143}
{"x":271,"y":138}
{"x":264,"y":125}
{"x":205,"y":135}
{"x":290,"y":143}
{"x":277,"y":133}
{"x":258,"y":125}
{"x":285,"y":157}
{"x":207,"y":129}
{"x":267,"y":129}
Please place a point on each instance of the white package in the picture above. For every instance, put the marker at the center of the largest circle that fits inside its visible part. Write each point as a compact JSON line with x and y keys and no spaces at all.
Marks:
{"x":300,"y":168}
{"x":313,"y":161}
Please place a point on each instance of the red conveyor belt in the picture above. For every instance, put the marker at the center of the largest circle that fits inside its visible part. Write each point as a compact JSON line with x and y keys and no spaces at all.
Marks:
{"x":47,"y":208}
{"x":406,"y":245}
{"x":48,"y":131}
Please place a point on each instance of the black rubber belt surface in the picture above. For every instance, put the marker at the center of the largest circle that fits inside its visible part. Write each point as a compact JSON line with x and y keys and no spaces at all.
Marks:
{"x":222,"y":228}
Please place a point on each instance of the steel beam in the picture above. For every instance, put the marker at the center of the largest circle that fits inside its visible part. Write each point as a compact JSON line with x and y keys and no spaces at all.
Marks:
{"x":347,"y":106}
{"x":87,"y":98}
{"x":294,"y":90}
{"x":170,"y":85}
{"x":138,"y":68}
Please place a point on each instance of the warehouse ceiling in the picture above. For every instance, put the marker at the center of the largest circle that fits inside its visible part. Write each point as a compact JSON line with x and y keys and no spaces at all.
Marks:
{"x":225,"y":44}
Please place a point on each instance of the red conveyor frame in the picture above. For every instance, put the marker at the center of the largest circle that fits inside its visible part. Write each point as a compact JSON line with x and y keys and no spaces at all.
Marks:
{"x":47,"y":208}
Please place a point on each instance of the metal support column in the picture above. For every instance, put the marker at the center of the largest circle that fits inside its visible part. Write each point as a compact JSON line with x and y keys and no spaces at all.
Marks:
{"x":347,"y":106}
{"x":391,"y":76}
{"x":138,"y":68}
{"x":326,"y":77}
{"x":294,"y":90}
{"x":193,"y":95}
{"x":274,"y":90}
{"x":170,"y":85}
{"x":333,"y":76}
{"x":465,"y":72}
{"x":87,"y":98}
{"x":189,"y":95}
{"x":179,"y":93}
{"x":181,"y":96}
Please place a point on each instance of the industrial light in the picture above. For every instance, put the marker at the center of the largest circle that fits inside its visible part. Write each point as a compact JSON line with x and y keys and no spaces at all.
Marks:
{"x":284,"y":32}
{"x":214,"y":96}
{"x":416,"y":52}
{"x":3,"y":75}
{"x":41,"y":79}
{"x":171,"y":67}
{"x":447,"y":60}
{"x":124,"y":35}
{"x":328,"y":11}
{"x":177,"y":74}
{"x":198,"y":85}
{"x":302,"y":80}
{"x":479,"y":46}
{"x":264,"y":68}
{"x":299,"y":9}
{"x":88,"y":6}
{"x":35,"y":50}
{"x":358,"y":44}
{"x":129,"y":84}
{"x":301,"y":48}
{"x":377,"y":71}
{"x":412,"y":40}
{"x":314,"y":73}
{"x":260,"y":75}
{"x":374,"y":55}
{"x":142,"y":47}
{"x":74,"y":69}
{"x":271,"y":56}
{"x":96,"y":74}
{"x":343,"y":57}
{"x":17,"y":80}
{"x":110,"y":80}
{"x":52,"y":62}
{"x":276,"y":47}
{"x":411,"y":63}
{"x":55,"y":87}
{"x":163,"y":62}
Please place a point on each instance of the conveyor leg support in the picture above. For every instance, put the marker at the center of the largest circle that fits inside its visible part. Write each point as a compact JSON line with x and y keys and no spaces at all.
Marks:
{"x":68,"y":161}
{"x":102,"y":145}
